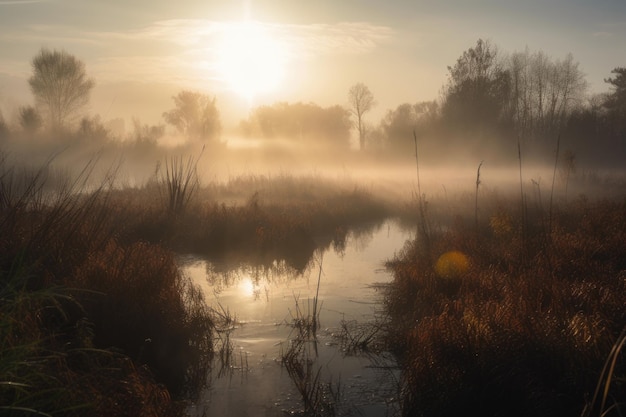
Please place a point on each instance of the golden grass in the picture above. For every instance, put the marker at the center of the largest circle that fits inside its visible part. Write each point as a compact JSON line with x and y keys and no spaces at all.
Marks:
{"x":90,"y":323}
{"x":518,"y":325}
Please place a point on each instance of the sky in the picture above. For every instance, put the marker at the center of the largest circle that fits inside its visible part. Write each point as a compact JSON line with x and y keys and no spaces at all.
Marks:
{"x":255,"y":52}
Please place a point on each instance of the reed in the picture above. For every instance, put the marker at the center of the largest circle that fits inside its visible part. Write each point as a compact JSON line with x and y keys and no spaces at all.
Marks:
{"x":556,"y":165}
{"x":319,"y":398}
{"x":180,"y":181}
{"x":476,"y":200}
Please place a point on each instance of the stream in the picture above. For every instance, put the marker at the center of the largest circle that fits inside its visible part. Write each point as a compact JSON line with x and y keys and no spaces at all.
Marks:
{"x":265,"y":303}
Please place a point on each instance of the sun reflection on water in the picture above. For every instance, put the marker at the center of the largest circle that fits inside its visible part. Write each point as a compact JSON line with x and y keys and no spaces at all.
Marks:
{"x":246,"y":287}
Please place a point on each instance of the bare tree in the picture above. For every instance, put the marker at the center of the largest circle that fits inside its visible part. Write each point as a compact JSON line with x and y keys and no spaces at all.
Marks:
{"x":60,"y":85}
{"x":361,"y":101}
{"x":196,"y":115}
{"x":544,"y":92}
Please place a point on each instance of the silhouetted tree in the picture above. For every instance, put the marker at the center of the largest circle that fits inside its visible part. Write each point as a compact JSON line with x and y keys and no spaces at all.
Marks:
{"x":4,"y":129}
{"x":617,"y":98}
{"x":477,"y":92}
{"x":30,"y":120}
{"x":361,"y":101}
{"x":145,"y":134}
{"x":195,"y":115}
{"x":398,"y":125}
{"x":615,"y":102}
{"x":92,"y":128}
{"x":60,"y":85}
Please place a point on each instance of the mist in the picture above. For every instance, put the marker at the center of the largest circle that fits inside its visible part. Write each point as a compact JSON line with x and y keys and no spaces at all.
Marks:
{"x":155,"y":242}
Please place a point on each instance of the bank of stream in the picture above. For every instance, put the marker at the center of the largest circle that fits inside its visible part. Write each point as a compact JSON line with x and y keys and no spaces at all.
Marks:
{"x":249,"y":377}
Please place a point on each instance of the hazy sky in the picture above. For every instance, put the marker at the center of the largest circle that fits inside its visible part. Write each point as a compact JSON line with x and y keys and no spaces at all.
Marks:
{"x":143,"y":52}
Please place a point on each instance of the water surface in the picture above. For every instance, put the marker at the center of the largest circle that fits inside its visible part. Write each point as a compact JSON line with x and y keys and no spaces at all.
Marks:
{"x":264,"y":302}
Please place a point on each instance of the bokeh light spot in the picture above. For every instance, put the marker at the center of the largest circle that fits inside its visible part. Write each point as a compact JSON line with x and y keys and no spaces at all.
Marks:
{"x":452,"y":264}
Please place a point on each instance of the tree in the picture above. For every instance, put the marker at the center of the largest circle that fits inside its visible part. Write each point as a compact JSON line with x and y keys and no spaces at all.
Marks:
{"x":144,"y":134}
{"x":477,"y":91}
{"x":361,"y":101}
{"x":60,"y":85}
{"x":543,"y":92}
{"x":92,"y":129}
{"x":30,"y":120}
{"x":615,"y":102}
{"x":399,"y":125}
{"x":195,"y":115}
{"x":304,"y":122}
{"x":615,"y":105}
{"x":617,"y":98}
{"x":4,"y":129}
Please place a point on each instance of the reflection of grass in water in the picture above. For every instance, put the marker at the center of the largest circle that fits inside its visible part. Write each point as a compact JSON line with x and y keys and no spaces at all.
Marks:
{"x":263,"y":229}
{"x":225,"y":360}
{"x":307,"y":323}
{"x":319,"y":399}
{"x":358,"y":337}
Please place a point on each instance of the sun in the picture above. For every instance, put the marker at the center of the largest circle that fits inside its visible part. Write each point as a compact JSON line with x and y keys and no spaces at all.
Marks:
{"x":250,"y":60}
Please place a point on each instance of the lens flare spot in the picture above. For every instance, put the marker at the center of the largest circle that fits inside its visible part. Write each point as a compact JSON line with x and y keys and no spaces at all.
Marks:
{"x":452,"y":264}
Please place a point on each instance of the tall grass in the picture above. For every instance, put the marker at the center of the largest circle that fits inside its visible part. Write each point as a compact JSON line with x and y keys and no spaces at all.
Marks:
{"x":608,"y":377}
{"x":101,"y":311}
{"x":502,"y":336}
{"x":267,"y":220}
{"x":180,"y":181}
{"x":477,"y":185}
{"x":422,"y":224}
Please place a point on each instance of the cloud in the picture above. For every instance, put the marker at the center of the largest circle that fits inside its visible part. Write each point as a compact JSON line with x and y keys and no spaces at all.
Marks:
{"x":304,"y":40}
{"x":336,"y":39}
{"x":185,"y":50}
{"x":50,"y":34}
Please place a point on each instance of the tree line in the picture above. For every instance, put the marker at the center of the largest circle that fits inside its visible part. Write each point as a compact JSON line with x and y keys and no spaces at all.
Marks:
{"x":490,"y":101}
{"x":498,"y":102}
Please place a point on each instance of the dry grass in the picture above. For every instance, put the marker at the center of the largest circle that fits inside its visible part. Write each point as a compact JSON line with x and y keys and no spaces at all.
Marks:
{"x":119,"y":319}
{"x":265,"y":220}
{"x":90,"y":321}
{"x":523,"y":325}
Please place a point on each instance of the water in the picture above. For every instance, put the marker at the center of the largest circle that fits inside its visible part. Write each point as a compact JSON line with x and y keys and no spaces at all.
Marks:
{"x":264,"y":305}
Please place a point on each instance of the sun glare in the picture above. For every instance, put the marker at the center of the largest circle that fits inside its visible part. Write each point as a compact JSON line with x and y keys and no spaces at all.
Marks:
{"x":250,"y":60}
{"x":246,"y":287}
